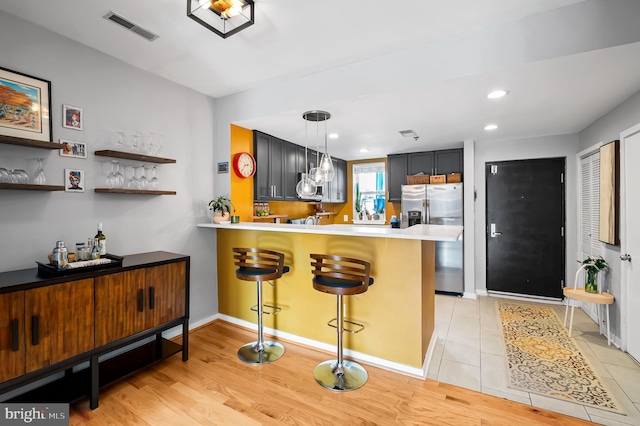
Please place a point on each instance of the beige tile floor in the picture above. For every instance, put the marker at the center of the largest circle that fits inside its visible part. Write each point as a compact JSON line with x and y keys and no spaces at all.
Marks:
{"x":470,"y":353}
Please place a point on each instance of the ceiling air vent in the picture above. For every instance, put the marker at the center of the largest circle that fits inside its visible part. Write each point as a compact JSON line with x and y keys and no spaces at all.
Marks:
{"x":123,"y":22}
{"x":409,"y":134}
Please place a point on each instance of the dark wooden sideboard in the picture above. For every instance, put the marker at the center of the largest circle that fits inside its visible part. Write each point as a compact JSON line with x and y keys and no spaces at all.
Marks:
{"x":68,"y":323}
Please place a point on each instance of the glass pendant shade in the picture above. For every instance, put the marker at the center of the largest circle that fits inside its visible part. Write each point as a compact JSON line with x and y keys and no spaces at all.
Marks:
{"x":326,"y":167}
{"x":317,"y":176}
{"x":306,"y":188}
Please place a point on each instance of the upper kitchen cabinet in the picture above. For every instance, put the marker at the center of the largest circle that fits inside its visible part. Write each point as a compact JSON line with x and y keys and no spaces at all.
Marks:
{"x":427,"y":162}
{"x":269,"y":152}
{"x":397,"y":175}
{"x":420,"y":162}
{"x":336,"y":190}
{"x":448,"y":161}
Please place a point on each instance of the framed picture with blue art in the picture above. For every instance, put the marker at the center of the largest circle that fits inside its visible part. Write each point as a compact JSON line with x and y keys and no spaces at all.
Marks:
{"x":73,"y":180}
{"x":24,"y":106}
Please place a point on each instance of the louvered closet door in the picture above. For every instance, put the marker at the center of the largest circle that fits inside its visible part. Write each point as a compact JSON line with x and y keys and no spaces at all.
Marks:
{"x":590,"y":215}
{"x":590,"y":201}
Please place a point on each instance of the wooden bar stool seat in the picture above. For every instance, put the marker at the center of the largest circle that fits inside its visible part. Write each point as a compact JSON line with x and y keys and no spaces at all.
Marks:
{"x":260,"y":265}
{"x":341,"y":276}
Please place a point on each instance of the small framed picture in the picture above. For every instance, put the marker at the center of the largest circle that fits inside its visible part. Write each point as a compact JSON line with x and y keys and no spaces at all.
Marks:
{"x":73,"y":149}
{"x":223,"y":167}
{"x":73,"y":180}
{"x":71,"y":117}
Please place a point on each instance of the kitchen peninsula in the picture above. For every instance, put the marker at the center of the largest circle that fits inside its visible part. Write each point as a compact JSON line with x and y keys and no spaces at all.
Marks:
{"x":397,"y":311}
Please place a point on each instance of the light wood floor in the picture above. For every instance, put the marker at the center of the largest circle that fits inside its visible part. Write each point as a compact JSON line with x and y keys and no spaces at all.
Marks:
{"x":214,"y":387}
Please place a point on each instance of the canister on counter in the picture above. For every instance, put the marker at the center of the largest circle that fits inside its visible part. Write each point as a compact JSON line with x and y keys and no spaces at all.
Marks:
{"x":59,"y":256}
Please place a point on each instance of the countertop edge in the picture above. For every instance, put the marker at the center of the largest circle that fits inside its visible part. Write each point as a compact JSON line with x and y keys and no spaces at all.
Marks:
{"x":417,"y":232}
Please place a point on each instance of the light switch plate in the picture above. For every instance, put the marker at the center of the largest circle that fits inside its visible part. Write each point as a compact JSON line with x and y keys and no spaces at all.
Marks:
{"x":345,"y":218}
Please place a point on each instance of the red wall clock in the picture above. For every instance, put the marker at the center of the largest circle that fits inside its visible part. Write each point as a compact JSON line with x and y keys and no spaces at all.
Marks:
{"x":244,"y":164}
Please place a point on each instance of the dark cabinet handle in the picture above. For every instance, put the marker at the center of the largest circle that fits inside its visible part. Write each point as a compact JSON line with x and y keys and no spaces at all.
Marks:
{"x":14,"y":335}
{"x":35,"y":330}
{"x":152,"y":297}
{"x":141,"y":300}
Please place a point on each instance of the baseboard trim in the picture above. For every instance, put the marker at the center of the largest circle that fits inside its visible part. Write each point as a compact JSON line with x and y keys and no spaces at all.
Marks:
{"x":420,"y":373}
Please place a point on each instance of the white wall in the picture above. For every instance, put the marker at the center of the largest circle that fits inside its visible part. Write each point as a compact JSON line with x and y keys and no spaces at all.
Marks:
{"x":113,"y":95}
{"x":520,"y":149}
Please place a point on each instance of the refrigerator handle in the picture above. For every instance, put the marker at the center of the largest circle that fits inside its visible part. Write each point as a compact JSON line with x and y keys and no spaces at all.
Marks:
{"x":425,"y":208}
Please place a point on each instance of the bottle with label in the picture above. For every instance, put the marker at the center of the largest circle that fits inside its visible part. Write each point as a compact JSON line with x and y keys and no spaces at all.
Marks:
{"x":95,"y":251}
{"x":101,"y":241}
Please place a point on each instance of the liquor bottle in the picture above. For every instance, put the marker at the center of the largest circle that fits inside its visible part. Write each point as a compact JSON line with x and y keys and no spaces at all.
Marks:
{"x":95,"y":251}
{"x":102,"y":241}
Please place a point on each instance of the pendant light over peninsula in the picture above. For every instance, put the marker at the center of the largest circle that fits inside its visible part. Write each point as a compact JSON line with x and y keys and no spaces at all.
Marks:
{"x":325,"y":171}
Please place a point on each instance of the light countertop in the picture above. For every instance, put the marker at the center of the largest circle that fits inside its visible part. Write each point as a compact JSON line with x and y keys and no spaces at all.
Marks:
{"x":416,"y":232}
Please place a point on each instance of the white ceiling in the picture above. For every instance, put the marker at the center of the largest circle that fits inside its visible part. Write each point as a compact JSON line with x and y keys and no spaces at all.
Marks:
{"x":291,"y":40}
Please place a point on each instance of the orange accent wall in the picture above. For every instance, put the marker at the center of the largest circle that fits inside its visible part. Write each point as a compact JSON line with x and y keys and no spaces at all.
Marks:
{"x":241,"y":188}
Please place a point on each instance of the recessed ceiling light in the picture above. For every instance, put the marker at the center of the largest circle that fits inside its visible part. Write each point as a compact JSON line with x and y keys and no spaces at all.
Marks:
{"x":497,"y":94}
{"x":491,"y":127}
{"x":364,"y":149}
{"x":333,"y":135}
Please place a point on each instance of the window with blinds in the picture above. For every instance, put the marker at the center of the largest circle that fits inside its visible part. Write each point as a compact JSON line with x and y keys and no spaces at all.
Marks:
{"x":589,"y":205}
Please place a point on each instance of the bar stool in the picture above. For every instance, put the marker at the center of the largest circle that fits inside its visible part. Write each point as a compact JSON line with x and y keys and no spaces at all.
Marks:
{"x":342,"y":276}
{"x":260,"y":265}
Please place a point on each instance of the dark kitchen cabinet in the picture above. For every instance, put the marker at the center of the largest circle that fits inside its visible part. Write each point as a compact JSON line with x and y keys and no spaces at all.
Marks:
{"x":397,"y":175}
{"x":291,"y":167}
{"x":336,"y":190}
{"x":448,"y":161}
{"x":428,"y":162}
{"x":420,"y":162}
{"x":268,"y":182}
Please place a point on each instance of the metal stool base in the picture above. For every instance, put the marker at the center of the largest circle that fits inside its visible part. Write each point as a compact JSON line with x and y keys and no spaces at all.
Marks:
{"x":250,"y":354}
{"x":353,"y":376}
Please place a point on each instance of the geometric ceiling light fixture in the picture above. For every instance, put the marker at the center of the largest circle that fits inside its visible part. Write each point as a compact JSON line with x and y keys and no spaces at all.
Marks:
{"x":223,"y":17}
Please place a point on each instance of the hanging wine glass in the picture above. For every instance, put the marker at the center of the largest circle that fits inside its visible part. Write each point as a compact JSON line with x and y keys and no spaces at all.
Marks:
{"x":118,"y":178}
{"x":39,"y":178}
{"x":154,"y":182}
{"x":110,"y":177}
{"x":143,"y":183}
{"x":133,"y":182}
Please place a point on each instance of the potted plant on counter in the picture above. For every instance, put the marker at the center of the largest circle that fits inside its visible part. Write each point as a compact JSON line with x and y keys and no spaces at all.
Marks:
{"x":221,"y":208}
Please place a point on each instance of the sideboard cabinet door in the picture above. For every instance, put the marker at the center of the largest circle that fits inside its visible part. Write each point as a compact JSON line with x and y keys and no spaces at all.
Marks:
{"x":166,"y":287}
{"x":12,"y":350}
{"x":59,"y":322}
{"x":120,"y":302}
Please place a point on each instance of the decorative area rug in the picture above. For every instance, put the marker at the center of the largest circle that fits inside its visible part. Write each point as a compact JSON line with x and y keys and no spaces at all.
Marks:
{"x":543,"y":359}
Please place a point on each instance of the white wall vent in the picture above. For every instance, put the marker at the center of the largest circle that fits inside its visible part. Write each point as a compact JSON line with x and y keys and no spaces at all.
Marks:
{"x":131,"y":26}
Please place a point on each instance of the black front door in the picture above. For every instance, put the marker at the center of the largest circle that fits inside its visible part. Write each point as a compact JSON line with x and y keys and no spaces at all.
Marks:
{"x":525,"y":227}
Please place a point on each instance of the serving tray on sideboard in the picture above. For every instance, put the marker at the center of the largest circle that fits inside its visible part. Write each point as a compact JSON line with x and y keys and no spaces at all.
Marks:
{"x":48,"y":270}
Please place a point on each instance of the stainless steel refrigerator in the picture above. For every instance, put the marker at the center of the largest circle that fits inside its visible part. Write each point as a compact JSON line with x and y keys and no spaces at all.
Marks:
{"x":438,"y":205}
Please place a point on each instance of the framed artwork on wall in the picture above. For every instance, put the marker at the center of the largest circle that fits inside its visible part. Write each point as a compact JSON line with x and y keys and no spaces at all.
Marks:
{"x":72,"y":117}
{"x":74,"y":180}
{"x":73,"y":149}
{"x":24,"y":106}
{"x":610,"y":193}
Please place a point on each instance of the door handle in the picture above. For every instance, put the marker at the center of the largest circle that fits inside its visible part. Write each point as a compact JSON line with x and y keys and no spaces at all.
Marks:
{"x":626,"y":257}
{"x":35,"y":330}
{"x":14,"y":335}
{"x":493,"y":231}
{"x":141,"y":300}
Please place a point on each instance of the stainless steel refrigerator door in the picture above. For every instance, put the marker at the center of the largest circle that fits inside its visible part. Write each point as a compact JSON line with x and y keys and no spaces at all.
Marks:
{"x":413,"y":199}
{"x":445,"y":208}
{"x":445,"y":202}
